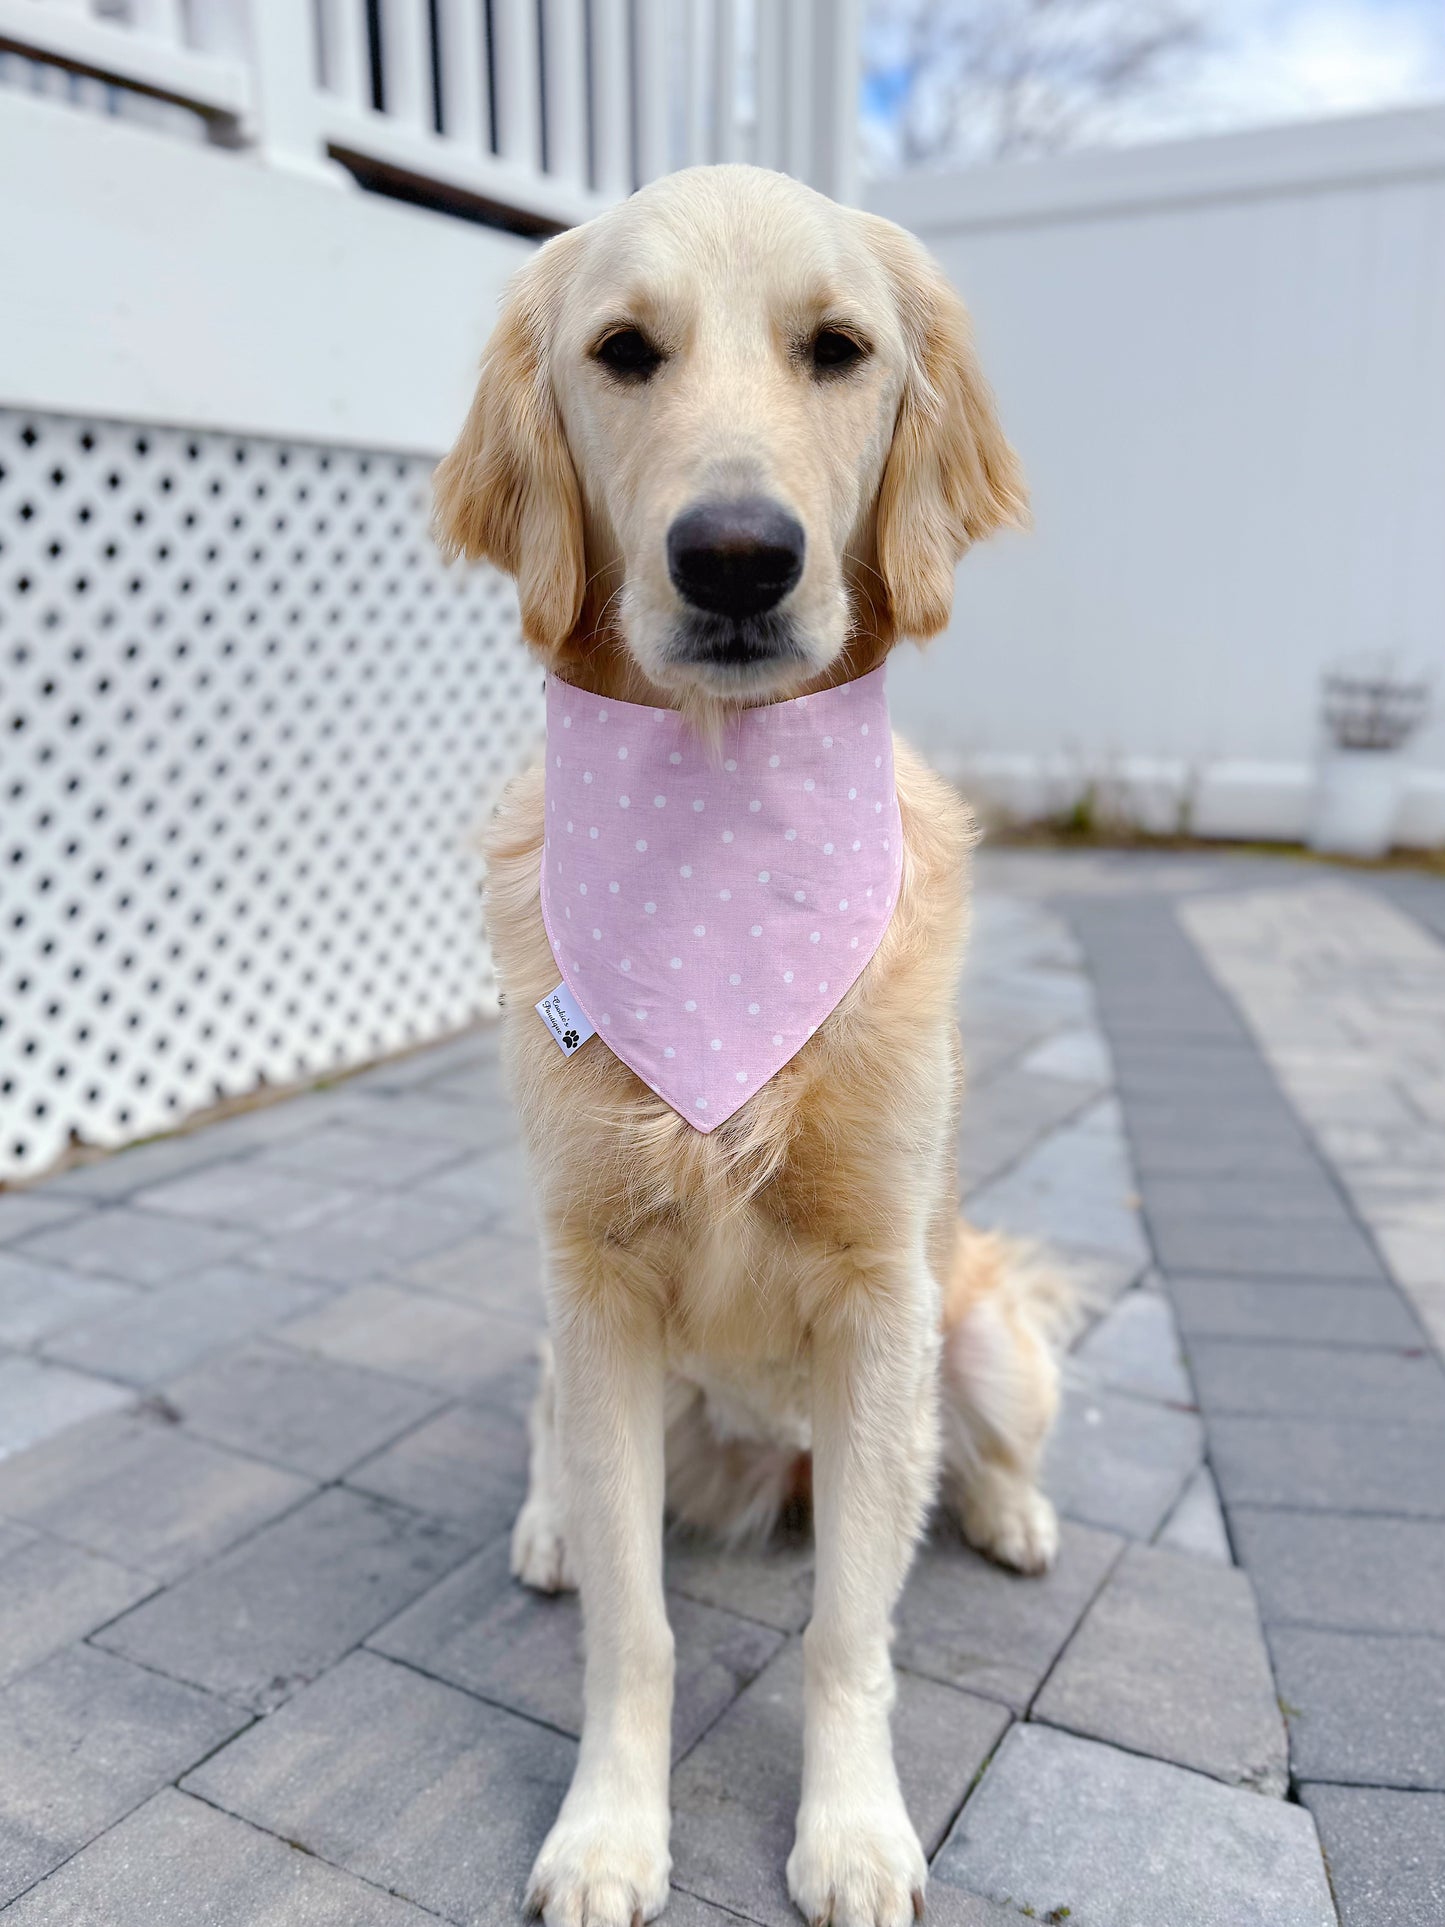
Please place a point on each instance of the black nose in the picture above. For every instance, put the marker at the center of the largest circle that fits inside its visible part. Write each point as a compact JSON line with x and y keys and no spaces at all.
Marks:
{"x":735,"y":558}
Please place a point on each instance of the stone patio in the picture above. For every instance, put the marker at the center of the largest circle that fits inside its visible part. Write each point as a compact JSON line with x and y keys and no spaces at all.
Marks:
{"x":261,"y":1437}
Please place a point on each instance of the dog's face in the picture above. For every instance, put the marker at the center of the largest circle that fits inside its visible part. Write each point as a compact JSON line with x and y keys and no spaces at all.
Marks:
{"x":727,"y":428}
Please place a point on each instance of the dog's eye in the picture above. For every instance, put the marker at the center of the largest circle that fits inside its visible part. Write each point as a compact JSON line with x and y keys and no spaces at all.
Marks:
{"x":628,"y":352}
{"x":834,"y":352}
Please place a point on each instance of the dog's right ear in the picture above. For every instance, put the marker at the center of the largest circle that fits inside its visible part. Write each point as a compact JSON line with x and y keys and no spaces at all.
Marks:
{"x":508,"y":493}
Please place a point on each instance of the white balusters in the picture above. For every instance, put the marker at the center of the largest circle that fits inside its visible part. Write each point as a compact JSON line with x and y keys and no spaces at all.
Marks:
{"x":462,"y":64}
{"x":345,"y":59}
{"x":564,"y":42}
{"x":517,"y":75}
{"x":612,"y":97}
{"x":406,"y":70}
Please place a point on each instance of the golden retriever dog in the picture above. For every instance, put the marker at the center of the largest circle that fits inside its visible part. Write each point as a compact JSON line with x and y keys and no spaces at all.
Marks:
{"x":786,"y":1305}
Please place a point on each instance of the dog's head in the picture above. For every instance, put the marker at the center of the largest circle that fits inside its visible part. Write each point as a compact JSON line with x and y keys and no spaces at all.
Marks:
{"x":723,"y":433}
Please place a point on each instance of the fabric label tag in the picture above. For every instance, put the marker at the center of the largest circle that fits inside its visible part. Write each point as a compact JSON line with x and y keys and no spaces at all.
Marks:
{"x":564,"y":1017}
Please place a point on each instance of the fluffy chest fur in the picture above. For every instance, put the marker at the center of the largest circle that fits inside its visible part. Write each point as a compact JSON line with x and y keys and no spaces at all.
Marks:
{"x":734,"y":1236}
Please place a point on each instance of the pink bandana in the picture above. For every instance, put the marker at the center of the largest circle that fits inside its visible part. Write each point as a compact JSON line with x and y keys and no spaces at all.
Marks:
{"x":708,"y":909}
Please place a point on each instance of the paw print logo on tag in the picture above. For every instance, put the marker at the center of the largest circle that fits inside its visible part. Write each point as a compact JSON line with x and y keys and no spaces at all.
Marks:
{"x":570,"y":1040}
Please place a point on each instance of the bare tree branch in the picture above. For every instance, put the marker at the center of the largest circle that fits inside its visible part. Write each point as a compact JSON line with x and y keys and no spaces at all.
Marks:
{"x":972,"y":80}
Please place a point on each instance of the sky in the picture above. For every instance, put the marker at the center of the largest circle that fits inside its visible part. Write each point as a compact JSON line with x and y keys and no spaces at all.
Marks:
{"x":1267,"y":61}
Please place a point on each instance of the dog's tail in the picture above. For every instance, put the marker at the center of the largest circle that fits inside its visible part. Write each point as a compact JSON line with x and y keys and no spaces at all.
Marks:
{"x":1019,"y":1277}
{"x":1009,"y":1310}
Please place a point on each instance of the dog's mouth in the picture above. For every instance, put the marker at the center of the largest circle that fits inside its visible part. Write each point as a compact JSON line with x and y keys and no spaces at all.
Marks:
{"x":733,"y":652}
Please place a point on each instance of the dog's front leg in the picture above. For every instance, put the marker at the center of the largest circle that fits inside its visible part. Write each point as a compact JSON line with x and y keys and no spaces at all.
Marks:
{"x":856,"y":1860}
{"x":605,"y":1863}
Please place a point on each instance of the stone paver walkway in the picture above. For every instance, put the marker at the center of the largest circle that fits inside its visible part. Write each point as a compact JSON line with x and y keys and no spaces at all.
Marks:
{"x":261,"y":1438}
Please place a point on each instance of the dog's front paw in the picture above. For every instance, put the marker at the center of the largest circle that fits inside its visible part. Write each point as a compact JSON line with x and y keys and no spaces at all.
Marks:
{"x":1013,"y":1523}
{"x":603,"y":1867}
{"x":539,"y":1549}
{"x":857,"y":1869}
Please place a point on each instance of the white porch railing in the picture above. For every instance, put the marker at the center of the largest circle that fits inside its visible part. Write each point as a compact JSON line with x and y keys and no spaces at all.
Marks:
{"x":541,"y":111}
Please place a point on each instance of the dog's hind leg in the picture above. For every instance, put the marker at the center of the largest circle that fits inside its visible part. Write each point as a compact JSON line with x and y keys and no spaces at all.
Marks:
{"x":1005,"y":1310}
{"x":540,"y":1558}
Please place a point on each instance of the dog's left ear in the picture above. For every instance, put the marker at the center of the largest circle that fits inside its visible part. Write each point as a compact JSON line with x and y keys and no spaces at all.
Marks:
{"x":508,"y":493}
{"x":951,"y":478}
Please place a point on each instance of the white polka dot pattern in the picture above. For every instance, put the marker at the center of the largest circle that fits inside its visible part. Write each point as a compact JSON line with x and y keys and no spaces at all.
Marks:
{"x":779,"y":848}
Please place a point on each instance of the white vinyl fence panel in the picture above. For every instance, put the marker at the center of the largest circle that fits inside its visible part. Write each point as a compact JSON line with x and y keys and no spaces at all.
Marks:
{"x":249,"y":727}
{"x":1223,"y":363}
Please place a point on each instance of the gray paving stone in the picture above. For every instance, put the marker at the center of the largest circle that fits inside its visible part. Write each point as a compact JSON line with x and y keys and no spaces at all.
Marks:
{"x":175,"y":1862}
{"x":310,"y":1414}
{"x":379,"y":1239}
{"x":137,"y":1247}
{"x":1386,"y":1853}
{"x":773,"y":1583}
{"x":1347,"y":1571}
{"x":1209,"y":1148}
{"x":138,"y":1490}
{"x":343,"y":1154}
{"x":1341,"y":1465}
{"x":13,"y":1538}
{"x":467,"y":1465}
{"x":501,"y":1275}
{"x":1196,"y":1525}
{"x":1120,"y":1462}
{"x":686,"y":1910}
{"x":413,"y":1114}
{"x":39,"y":1400}
{"x":1006,"y":1117}
{"x":951,"y":1907}
{"x":25,"y":1212}
{"x":52,"y":1594}
{"x":1356,"y":1314}
{"x":414,"y":1335}
{"x":267,"y":1617}
{"x":1257,"y":1247}
{"x":1075,"y":1186}
{"x":404,"y":1781}
{"x":1274,"y":1197}
{"x":38,"y":1299}
{"x":1286,"y":1381}
{"x":1215,"y":1074}
{"x":972,"y":1625}
{"x":1363,"y":1709}
{"x":477,"y":1046}
{"x":481,"y":1630}
{"x":159,"y":1333}
{"x":1127,"y":1842}
{"x":248,"y":1193}
{"x":83,"y":1738}
{"x":1136,"y":1349}
{"x":1078,"y":1053}
{"x":493,"y":1189}
{"x":735,"y":1796}
{"x":1170,"y":1661}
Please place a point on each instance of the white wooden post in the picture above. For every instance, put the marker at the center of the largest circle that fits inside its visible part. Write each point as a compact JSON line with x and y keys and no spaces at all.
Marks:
{"x":283,"y":60}
{"x":344,"y":63}
{"x":515,"y":63}
{"x":726,"y":134}
{"x":406,"y":75}
{"x":564,"y":30}
{"x":650,"y":54}
{"x":160,"y":20}
{"x":837,"y":74}
{"x":612,"y":97}
{"x":462,"y":58}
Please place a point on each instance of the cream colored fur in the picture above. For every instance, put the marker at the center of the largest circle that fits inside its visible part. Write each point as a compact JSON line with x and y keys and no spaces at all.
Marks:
{"x":786,"y":1307}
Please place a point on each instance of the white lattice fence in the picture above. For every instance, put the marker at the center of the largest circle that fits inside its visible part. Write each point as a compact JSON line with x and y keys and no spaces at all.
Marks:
{"x":250,"y":724}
